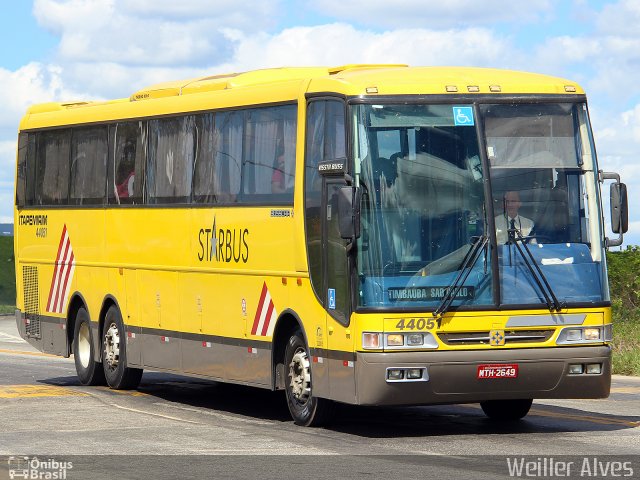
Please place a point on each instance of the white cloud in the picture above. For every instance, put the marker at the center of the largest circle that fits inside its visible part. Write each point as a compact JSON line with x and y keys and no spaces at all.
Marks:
{"x":608,"y":57}
{"x":32,"y":83}
{"x":620,"y":19}
{"x":433,"y":14}
{"x":340,"y":43}
{"x":7,"y":159}
{"x":617,"y":137}
{"x":108,"y":80}
{"x":139,"y":33}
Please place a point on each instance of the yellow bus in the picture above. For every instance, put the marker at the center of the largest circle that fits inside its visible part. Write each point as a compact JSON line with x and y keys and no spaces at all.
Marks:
{"x":365,"y":234}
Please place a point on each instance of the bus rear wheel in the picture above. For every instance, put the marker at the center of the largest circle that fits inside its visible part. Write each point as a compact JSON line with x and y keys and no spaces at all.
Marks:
{"x":89,"y":371}
{"x":306,"y":410}
{"x":114,"y":353}
{"x":506,"y":410}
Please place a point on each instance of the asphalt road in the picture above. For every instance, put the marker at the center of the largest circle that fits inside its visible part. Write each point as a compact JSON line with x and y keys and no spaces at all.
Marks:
{"x":44,"y":411}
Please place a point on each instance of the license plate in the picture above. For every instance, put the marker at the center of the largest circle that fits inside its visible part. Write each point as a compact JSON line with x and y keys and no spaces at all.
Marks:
{"x":500,"y":370}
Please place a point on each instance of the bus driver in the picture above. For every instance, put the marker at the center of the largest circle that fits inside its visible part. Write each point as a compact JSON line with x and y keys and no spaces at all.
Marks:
{"x":511,"y":220}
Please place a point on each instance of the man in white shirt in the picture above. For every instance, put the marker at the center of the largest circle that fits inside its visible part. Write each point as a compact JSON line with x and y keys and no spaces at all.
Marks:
{"x":511,"y":219}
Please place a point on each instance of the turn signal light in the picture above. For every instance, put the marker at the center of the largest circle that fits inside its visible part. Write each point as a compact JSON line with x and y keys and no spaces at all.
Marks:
{"x":370,"y":340}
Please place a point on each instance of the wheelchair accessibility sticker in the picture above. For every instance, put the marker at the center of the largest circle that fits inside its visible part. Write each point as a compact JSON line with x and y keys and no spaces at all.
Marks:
{"x":332,"y":298}
{"x":463,"y":116}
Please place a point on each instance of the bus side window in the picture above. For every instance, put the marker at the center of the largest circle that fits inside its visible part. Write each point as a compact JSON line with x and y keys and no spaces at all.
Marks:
{"x":268,"y":168}
{"x":52,"y":167}
{"x":22,"y":180}
{"x":127,"y":158}
{"x":88,"y":165}
{"x":170,"y":160}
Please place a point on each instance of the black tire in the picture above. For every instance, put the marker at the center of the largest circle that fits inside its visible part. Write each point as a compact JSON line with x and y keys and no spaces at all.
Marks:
{"x":89,"y":371}
{"x":506,"y":410}
{"x":306,"y":410}
{"x":114,"y":353}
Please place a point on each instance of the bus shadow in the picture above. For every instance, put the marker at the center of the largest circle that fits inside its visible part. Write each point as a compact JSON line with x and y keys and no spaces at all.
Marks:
{"x":447,"y":420}
{"x":369,"y":422}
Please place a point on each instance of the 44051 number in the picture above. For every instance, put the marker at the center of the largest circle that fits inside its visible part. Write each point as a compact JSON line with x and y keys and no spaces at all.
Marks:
{"x":416,"y":324}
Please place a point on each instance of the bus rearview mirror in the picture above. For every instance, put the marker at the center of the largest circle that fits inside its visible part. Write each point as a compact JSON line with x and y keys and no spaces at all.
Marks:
{"x":619,"y":208}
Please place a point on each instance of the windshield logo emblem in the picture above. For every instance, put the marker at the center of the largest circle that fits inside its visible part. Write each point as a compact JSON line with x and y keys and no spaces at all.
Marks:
{"x":496,"y":338}
{"x":463,"y":116}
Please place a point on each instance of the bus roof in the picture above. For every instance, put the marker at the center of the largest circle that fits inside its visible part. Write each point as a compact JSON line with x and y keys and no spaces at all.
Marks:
{"x":287,"y":83}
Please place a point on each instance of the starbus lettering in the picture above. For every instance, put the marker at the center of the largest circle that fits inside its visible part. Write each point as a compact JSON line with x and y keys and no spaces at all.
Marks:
{"x":223,"y":244}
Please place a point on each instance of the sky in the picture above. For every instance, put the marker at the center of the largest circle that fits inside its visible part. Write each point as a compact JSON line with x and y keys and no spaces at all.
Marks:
{"x":66,"y":50}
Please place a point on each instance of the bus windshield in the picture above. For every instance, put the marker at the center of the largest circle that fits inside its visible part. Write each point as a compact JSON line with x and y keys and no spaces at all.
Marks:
{"x":425,"y":205}
{"x":544,"y":186}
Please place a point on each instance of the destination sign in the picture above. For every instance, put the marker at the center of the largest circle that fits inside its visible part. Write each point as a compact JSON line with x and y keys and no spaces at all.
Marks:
{"x":409,"y":294}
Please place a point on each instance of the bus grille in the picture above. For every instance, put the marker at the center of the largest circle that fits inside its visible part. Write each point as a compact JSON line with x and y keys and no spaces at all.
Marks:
{"x":31,"y":301}
{"x":482,"y":338}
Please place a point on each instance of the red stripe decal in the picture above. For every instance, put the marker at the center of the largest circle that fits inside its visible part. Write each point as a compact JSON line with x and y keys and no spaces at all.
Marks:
{"x":66,"y":282}
{"x":55,"y":271}
{"x":267,"y":319}
{"x":63,"y":266}
{"x":256,"y":321}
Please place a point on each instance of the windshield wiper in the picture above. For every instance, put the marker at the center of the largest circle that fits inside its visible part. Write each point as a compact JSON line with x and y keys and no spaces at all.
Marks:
{"x":480,"y":243}
{"x":553,"y":304}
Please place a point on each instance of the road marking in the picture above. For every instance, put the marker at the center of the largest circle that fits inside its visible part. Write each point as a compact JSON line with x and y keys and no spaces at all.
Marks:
{"x":216,"y":414}
{"x":34,"y":354}
{"x":131,"y":393}
{"x":627,"y":389}
{"x":144,"y":412}
{"x":8,"y":338}
{"x":30,"y":391}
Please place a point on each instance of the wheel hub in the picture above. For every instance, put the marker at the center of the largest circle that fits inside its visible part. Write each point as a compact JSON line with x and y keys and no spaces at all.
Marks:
{"x":300,"y":375}
{"x":112,"y":346}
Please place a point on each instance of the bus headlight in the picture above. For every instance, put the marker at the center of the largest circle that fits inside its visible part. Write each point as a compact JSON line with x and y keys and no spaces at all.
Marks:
{"x":594,"y":368}
{"x":395,"y":340}
{"x":592,"y":334}
{"x":576,"y":335}
{"x":409,"y":341}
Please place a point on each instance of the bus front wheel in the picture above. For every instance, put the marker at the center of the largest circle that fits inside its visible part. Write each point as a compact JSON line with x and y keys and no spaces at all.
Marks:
{"x":306,"y":410}
{"x":506,"y":410}
{"x":114,"y":353}
{"x":89,"y":371}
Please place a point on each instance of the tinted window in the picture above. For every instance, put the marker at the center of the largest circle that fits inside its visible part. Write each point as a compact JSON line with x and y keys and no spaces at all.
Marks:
{"x":171,"y":155}
{"x":21,"y":180}
{"x":128,"y":147}
{"x":325,"y":140}
{"x":88,"y":165}
{"x":269,"y":160}
{"x":52,"y":168}
{"x":218,"y":157}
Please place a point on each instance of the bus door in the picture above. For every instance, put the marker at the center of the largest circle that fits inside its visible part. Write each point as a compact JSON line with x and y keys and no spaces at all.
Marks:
{"x":340,"y":337}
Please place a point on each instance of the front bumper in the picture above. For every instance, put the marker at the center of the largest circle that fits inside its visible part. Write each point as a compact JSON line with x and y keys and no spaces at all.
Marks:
{"x":452,"y":375}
